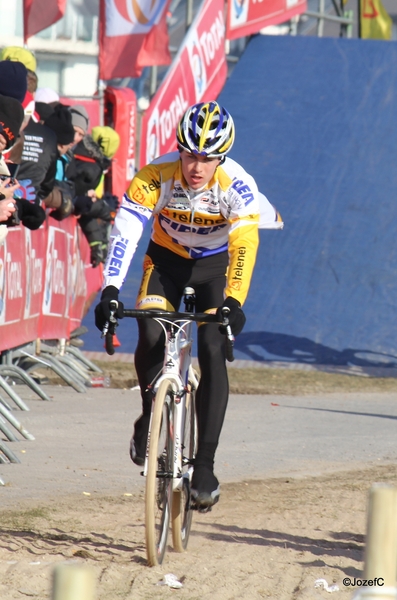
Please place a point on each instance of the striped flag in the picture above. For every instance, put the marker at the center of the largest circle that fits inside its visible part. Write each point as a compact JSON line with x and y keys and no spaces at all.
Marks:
{"x":133,"y":35}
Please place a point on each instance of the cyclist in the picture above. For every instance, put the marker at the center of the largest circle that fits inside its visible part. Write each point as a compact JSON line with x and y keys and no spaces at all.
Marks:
{"x":204,"y":235}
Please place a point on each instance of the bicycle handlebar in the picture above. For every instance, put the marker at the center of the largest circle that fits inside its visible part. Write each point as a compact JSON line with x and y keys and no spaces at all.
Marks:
{"x":110,"y":326}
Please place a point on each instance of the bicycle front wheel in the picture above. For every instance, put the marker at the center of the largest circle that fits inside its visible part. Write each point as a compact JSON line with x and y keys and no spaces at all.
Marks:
{"x":181,"y":503}
{"x":159,"y":476}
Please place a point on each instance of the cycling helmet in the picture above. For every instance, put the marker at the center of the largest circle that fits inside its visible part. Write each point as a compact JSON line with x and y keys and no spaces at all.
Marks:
{"x":206,"y":129}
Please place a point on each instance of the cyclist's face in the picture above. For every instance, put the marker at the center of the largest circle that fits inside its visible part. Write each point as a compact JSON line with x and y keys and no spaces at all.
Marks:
{"x":198,"y":170}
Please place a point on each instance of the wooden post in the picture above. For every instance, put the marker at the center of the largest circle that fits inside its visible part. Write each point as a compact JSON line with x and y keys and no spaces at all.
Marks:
{"x":73,"y":582}
{"x":381,"y":544}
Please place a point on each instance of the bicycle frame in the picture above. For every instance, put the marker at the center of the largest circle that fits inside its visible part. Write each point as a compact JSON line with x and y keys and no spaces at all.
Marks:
{"x":178,"y":370}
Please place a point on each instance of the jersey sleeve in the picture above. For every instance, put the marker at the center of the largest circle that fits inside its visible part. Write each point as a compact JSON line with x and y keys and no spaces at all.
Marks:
{"x":269,"y":218}
{"x":135,"y":211}
{"x":243,"y":246}
{"x":243,"y":236}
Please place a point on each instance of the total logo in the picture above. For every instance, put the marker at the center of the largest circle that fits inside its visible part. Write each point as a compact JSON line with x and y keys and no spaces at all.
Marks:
{"x":124,"y":17}
{"x":239,"y":12}
{"x":198,"y":67}
{"x":203,"y":50}
{"x":162,"y":125}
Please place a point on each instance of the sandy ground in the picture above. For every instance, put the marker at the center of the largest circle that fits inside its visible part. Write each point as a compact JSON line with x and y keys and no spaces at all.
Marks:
{"x":267,"y":538}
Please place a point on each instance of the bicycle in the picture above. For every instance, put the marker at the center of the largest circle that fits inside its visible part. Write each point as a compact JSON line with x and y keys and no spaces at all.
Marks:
{"x":172,"y":437}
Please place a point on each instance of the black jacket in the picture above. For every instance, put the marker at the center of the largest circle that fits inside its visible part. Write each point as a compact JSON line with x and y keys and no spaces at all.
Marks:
{"x":36,"y":173}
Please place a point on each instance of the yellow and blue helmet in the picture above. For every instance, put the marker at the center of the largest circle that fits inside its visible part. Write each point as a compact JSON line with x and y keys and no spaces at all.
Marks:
{"x":206,"y":129}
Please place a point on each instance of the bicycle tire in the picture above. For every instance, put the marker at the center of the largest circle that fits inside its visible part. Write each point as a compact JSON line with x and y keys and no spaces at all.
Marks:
{"x":158,"y":496}
{"x":181,"y":503}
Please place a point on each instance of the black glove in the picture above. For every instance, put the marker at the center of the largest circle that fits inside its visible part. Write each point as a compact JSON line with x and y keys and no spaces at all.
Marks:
{"x":236,"y":316}
{"x":82,"y":205}
{"x":102,"y":310}
{"x":31,"y":215}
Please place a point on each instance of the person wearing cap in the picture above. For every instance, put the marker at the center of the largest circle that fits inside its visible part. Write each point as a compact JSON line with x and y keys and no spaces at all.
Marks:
{"x":27,"y":58}
{"x":61,"y":197}
{"x":80,"y":122}
{"x":11,"y":117}
{"x":13,"y":84}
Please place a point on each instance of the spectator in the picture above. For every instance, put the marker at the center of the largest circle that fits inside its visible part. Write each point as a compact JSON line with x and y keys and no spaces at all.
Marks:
{"x":13,"y":83}
{"x":37,"y":170}
{"x":11,"y":117}
{"x":62,"y":195}
{"x":80,"y":122}
{"x":91,"y":163}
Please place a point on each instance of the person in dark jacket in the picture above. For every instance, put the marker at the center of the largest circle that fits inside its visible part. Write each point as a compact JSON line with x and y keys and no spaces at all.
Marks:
{"x":37,"y":170}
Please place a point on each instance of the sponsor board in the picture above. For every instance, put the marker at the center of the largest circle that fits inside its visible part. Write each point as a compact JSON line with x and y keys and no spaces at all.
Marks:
{"x":45,"y":281}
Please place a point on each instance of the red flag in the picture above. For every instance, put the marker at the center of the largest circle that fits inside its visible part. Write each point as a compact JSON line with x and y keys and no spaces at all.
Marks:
{"x":40,"y":14}
{"x":133,"y":35}
{"x":245,"y":18}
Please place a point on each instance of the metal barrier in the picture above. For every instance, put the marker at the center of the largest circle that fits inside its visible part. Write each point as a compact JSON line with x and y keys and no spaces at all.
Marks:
{"x":67,"y":361}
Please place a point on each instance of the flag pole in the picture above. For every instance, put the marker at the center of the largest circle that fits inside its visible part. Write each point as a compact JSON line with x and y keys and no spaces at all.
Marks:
{"x":101,"y":94}
{"x":101,"y":82}
{"x":359,"y":18}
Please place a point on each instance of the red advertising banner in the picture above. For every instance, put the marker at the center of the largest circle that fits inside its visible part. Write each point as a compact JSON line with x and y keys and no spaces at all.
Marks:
{"x":55,"y":308}
{"x":246,"y":17}
{"x":12,"y":285}
{"x":197,"y":73}
{"x":45,"y":280}
{"x":124,"y":113}
{"x":77,"y":282}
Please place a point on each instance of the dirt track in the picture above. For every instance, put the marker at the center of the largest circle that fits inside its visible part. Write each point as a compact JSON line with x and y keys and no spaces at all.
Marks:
{"x":76,"y":496}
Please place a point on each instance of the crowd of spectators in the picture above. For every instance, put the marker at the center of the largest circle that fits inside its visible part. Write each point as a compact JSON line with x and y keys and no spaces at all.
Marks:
{"x":50,"y":161}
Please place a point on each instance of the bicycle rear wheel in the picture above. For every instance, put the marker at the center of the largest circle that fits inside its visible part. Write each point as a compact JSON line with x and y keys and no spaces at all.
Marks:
{"x":181,"y":503}
{"x":159,"y":476}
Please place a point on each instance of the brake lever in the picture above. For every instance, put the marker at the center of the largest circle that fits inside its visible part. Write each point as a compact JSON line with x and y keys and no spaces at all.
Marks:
{"x":229,"y":334}
{"x":113,"y":305}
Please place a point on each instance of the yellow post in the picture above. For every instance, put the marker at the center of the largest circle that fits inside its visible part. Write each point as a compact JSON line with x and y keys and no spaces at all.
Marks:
{"x":73,"y":582}
{"x":380,"y":567}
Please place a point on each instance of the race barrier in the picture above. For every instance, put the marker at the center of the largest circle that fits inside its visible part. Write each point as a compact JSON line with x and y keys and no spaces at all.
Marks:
{"x":46,"y":285}
{"x":45,"y":281}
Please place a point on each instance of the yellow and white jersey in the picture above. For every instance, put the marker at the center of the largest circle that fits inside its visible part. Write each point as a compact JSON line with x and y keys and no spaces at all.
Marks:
{"x":222,"y":216}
